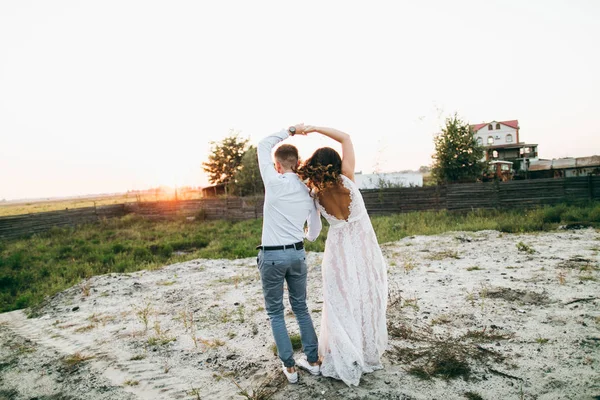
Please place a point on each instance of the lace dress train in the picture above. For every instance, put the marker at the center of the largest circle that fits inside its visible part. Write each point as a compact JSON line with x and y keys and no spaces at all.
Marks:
{"x":353,"y":327}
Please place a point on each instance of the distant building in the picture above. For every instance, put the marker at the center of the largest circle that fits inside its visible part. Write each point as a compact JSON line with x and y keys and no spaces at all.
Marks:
{"x":565,"y":167}
{"x":214,"y":191}
{"x":387,"y":180}
{"x":501,"y":142}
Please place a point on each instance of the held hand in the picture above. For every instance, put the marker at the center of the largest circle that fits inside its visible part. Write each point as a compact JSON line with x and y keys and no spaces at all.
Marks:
{"x":309,"y":129}
{"x":300,"y":129}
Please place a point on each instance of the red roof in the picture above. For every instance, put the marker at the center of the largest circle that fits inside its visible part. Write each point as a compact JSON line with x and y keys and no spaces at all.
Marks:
{"x":513,"y":123}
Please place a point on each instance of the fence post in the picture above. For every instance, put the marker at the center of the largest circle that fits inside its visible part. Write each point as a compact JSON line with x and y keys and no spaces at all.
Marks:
{"x":497,"y":193}
{"x":591,"y":186}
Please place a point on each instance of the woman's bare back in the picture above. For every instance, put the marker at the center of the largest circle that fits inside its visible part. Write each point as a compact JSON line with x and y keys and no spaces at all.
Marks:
{"x":336,"y":201}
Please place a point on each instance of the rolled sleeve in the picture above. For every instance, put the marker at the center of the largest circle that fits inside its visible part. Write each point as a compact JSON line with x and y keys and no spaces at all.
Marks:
{"x":314,"y":224}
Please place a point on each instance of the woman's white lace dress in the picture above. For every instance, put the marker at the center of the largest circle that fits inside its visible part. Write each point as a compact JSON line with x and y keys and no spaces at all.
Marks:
{"x":353,"y":327}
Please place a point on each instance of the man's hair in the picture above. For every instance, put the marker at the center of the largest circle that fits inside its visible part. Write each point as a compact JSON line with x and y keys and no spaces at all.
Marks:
{"x":287,"y":155}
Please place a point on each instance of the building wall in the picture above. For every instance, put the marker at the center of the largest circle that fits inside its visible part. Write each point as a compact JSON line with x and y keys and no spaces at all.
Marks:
{"x":499,"y":135}
{"x":394,"y":179}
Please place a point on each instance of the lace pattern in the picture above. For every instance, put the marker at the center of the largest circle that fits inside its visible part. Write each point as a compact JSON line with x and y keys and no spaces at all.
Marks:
{"x":353,"y":327}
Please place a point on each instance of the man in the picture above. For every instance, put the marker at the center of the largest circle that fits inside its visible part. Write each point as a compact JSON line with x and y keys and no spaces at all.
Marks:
{"x":288,"y":205}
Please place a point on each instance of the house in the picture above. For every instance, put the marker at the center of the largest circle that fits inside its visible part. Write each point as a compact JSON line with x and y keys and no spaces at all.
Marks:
{"x":388,"y":180}
{"x":501,"y":142}
{"x":215,"y":190}
{"x":565,"y":167}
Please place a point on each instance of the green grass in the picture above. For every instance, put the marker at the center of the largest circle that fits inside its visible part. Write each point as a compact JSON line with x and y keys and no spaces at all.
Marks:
{"x":45,"y":264}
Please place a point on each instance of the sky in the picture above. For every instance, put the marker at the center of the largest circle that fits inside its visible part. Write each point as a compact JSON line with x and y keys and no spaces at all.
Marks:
{"x":108,"y":96}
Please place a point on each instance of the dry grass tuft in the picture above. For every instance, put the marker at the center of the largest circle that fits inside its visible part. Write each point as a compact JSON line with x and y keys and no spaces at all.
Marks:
{"x":265,"y":389}
{"x":442,"y":255}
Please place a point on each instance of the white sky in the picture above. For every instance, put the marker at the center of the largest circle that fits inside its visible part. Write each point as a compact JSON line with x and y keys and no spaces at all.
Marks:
{"x":105,"y":96}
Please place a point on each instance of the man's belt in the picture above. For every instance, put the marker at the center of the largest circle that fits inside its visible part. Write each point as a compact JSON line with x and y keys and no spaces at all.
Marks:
{"x":297,"y":246}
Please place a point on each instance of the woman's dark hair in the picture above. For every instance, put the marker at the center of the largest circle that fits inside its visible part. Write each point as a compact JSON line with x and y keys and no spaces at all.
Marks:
{"x":322,"y":169}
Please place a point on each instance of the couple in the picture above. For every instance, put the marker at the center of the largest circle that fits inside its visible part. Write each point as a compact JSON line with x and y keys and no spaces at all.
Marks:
{"x":353,"y":326}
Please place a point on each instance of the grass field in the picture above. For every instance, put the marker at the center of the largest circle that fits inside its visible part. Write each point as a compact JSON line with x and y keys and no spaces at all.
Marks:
{"x":33,"y":268}
{"x":30,"y":207}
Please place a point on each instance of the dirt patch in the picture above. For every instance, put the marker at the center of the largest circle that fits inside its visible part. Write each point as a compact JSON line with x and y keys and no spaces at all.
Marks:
{"x":579,"y":263}
{"x":521,"y":296}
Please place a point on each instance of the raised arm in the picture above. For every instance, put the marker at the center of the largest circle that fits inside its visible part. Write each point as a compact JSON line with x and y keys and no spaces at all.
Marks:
{"x":265,"y":147}
{"x":265,"y":160}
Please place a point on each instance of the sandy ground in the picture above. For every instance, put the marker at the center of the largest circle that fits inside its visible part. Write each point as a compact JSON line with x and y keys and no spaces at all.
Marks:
{"x":517,"y":313}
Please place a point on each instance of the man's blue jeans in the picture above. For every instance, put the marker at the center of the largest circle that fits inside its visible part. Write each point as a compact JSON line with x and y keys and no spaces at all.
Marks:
{"x":277,"y":266}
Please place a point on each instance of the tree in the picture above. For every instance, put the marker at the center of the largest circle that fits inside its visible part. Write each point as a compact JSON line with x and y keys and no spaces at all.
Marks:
{"x":247,"y":180}
{"x":458,"y":156}
{"x":225,"y":158}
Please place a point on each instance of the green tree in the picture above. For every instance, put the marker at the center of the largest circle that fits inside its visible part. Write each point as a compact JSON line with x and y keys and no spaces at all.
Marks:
{"x":247,"y":180}
{"x":458,"y":156}
{"x":225,"y":158}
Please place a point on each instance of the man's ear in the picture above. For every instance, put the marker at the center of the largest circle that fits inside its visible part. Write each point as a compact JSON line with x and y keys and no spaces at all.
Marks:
{"x":277,"y":166}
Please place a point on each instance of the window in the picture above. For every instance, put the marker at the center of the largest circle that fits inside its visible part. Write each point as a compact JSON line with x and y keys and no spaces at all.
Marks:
{"x":509,"y":138}
{"x":495,"y":154}
{"x":490,"y":127}
{"x":490,"y":139}
{"x":497,"y":126}
{"x":480,"y":141}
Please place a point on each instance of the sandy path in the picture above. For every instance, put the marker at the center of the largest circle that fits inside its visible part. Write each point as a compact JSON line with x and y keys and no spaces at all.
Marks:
{"x":192,"y":329}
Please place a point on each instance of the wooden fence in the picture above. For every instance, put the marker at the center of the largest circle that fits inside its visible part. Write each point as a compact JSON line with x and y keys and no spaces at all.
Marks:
{"x":459,"y":197}
{"x":232,"y":208}
{"x":27,"y":224}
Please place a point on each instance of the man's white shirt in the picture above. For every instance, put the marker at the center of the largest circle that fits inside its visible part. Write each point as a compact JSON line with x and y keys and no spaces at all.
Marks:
{"x":288,"y":204}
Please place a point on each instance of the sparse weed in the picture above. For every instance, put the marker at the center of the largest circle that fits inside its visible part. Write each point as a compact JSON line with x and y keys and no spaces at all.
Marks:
{"x":474,"y":268}
{"x":525,"y":248}
{"x":160,"y":340}
{"x":76,"y":359}
{"x":442,"y":255}
{"x":441,"y":319}
{"x":143,"y":314}
{"x":85,"y":328}
{"x":194,"y":392}
{"x":409,"y":264}
{"x":264,"y":390}
{"x":131,"y":382}
{"x":483,"y":295}
{"x":483,"y":335}
{"x":541,"y":340}
{"x":587,"y":277}
{"x":85,"y":288}
{"x":240,"y":313}
{"x":473,"y":396}
{"x":562,"y":277}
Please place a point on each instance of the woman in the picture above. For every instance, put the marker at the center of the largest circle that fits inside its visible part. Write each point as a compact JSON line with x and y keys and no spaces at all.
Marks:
{"x":353,"y":327}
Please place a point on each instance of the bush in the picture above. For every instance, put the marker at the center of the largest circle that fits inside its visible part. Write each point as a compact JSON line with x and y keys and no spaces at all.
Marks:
{"x":574,"y":215}
{"x":594,"y":214}
{"x":553,"y":214}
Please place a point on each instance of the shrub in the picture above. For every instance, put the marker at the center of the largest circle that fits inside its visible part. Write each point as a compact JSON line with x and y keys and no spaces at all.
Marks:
{"x":553,"y":214}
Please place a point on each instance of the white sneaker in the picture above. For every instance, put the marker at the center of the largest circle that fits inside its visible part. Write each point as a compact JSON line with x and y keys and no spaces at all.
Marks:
{"x":292,"y":377}
{"x":304,"y":364}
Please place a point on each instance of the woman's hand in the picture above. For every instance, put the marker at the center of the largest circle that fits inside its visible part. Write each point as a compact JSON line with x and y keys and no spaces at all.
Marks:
{"x":310,"y":128}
